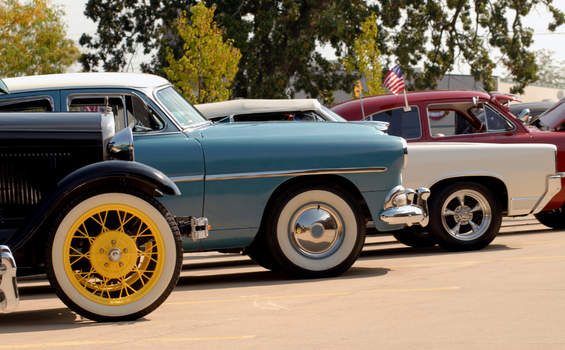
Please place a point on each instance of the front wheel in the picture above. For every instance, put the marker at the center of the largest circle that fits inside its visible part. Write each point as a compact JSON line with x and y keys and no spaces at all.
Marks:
{"x":114,"y":255}
{"x":464,"y":216}
{"x":552,"y":218}
{"x":315,"y":229}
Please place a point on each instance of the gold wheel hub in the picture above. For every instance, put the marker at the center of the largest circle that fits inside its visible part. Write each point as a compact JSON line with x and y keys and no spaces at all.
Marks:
{"x":113,"y":254}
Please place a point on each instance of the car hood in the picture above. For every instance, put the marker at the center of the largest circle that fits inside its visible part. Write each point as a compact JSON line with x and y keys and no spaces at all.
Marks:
{"x":291,"y":129}
{"x":554,"y":116}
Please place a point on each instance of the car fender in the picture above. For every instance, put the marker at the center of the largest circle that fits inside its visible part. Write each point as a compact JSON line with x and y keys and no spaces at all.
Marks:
{"x":98,"y":174}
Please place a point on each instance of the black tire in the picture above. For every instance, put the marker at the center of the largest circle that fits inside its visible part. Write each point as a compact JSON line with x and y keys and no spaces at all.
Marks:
{"x":415,"y":236}
{"x":259,"y":252}
{"x":113,"y":254}
{"x":552,"y":218}
{"x":464,"y":216}
{"x":315,"y":229}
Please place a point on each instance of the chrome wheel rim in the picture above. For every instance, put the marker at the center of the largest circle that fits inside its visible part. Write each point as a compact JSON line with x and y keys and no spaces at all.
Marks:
{"x":316,"y":231}
{"x":466,"y":215}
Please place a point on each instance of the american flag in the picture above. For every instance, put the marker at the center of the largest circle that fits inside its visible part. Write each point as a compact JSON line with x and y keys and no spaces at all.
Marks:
{"x":394,"y":81}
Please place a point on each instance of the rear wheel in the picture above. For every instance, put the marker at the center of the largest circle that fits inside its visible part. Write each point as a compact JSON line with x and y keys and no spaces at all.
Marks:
{"x":114,"y":255}
{"x":315,"y":229}
{"x":552,"y":218}
{"x":464,"y":216}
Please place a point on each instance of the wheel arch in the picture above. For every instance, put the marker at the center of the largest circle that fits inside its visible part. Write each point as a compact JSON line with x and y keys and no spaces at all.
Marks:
{"x":336,"y":179}
{"x":493,"y":184}
{"x":102,"y":174}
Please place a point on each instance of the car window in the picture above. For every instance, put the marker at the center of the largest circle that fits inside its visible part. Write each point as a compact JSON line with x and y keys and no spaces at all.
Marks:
{"x":128,"y":110}
{"x":448,"y":123}
{"x":179,"y":107}
{"x":97,"y":103}
{"x":26,"y":104}
{"x":403,"y":124}
{"x":491,"y":119}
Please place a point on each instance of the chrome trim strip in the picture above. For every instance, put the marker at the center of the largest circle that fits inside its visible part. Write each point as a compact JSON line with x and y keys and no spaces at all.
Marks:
{"x":282,"y":173}
{"x":187,"y":178}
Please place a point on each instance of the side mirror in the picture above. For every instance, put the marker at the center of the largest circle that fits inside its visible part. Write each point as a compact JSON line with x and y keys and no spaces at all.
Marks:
{"x":524,"y":116}
{"x":121,"y":145}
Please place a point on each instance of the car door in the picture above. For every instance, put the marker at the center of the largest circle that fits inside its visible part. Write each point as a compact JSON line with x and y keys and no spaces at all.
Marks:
{"x":157,"y":143}
{"x":467,"y":122}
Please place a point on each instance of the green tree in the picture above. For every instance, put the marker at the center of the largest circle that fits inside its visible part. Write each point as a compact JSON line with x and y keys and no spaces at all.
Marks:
{"x":367,"y":57}
{"x":205,"y":71}
{"x":442,"y":34}
{"x":33,"y":39}
{"x":551,"y":72}
{"x":278,"y":39}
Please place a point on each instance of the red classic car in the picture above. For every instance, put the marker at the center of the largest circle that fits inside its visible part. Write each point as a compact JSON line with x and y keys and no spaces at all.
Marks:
{"x":467,"y":116}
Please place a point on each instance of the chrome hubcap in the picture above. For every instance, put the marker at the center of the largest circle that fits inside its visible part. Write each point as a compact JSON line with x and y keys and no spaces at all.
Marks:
{"x":114,"y":255}
{"x":466,"y":215}
{"x":316,"y":231}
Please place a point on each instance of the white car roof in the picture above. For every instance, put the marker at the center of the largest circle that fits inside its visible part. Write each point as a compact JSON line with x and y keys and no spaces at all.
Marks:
{"x":220,"y":109}
{"x":83,"y":80}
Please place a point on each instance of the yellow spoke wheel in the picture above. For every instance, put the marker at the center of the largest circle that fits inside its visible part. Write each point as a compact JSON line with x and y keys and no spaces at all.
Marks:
{"x":114,"y":256}
{"x":122,"y":252}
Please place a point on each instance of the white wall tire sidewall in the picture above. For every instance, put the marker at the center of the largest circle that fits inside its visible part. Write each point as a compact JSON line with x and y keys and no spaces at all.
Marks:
{"x":350,"y":231}
{"x":169,"y":254}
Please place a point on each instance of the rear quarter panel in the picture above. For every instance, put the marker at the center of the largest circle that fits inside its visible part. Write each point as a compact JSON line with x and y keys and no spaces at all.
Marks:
{"x":523,"y":168}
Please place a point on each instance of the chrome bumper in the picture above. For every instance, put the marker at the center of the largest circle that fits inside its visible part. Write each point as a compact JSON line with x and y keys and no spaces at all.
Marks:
{"x":9,"y":297}
{"x":406,"y":206}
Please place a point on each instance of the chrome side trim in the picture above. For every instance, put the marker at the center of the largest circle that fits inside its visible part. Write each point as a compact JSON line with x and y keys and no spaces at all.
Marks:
{"x":9,"y":297}
{"x":553,"y":187}
{"x":187,"y":178}
{"x":282,"y":173}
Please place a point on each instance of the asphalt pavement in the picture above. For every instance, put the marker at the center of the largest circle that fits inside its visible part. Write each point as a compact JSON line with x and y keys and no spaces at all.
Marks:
{"x":510,"y":295}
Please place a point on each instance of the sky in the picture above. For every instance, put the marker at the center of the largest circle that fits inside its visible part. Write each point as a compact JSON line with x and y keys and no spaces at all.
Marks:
{"x":537,"y":20}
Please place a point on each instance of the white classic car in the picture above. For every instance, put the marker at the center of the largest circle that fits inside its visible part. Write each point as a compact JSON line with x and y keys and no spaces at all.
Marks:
{"x":472,"y":185}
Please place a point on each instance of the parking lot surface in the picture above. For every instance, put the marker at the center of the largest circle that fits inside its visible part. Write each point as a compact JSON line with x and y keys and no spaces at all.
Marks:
{"x":510,"y":295}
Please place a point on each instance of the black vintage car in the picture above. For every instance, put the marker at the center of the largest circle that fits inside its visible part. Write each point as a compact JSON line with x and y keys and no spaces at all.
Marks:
{"x":74,"y":204}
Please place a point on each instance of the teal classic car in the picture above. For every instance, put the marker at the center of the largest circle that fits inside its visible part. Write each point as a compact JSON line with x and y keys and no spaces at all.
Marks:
{"x":296,"y":197}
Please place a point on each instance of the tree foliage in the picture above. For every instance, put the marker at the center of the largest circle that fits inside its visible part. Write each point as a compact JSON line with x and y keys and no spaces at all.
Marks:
{"x":278,"y":39}
{"x":367,"y":57}
{"x":551,"y":72}
{"x":443,"y":33}
{"x":205,"y":71}
{"x":33,"y":39}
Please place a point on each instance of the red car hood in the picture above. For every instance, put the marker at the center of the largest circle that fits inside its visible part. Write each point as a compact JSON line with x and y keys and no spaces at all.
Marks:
{"x":554,"y":116}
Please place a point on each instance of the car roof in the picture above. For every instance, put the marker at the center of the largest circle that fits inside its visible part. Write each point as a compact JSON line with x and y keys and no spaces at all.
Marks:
{"x":244,"y":106}
{"x":83,"y":80}
{"x":428,"y":95}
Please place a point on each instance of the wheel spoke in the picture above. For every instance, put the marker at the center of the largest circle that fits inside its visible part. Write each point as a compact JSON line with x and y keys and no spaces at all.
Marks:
{"x":448,"y":212}
{"x":122,"y":222}
{"x":456,"y":229}
{"x":85,"y":233}
{"x":101,"y":221}
{"x":476,"y":208}
{"x":474,"y":226}
{"x":461,"y":200}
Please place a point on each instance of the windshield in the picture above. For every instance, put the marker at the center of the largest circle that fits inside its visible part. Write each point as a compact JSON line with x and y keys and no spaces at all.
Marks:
{"x":179,"y":107}
{"x":332,"y":114}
